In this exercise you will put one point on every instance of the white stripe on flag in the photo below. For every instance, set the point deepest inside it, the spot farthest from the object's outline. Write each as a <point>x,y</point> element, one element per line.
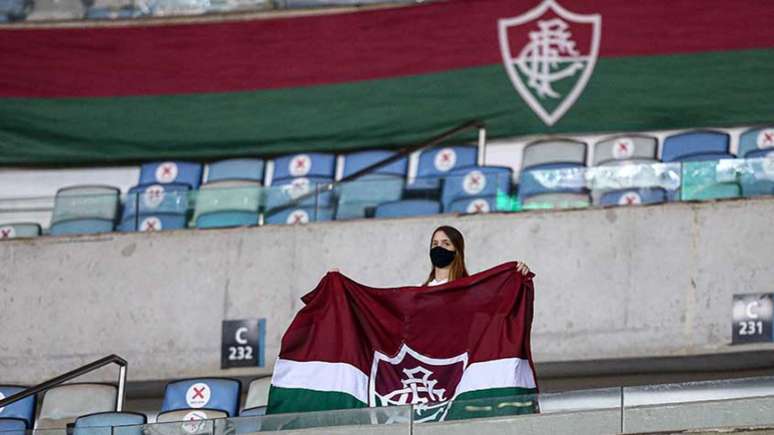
<point>321,376</point>
<point>498,373</point>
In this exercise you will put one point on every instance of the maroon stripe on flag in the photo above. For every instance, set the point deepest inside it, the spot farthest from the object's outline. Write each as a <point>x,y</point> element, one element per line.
<point>325,49</point>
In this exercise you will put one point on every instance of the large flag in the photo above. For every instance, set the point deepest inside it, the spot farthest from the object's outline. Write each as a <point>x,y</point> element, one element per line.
<point>354,346</point>
<point>380,77</point>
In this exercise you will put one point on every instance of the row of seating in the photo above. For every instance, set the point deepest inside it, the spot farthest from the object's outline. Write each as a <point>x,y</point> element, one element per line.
<point>89,405</point>
<point>553,175</point>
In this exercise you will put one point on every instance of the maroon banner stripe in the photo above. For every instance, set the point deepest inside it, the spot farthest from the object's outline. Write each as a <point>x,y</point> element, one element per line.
<point>326,49</point>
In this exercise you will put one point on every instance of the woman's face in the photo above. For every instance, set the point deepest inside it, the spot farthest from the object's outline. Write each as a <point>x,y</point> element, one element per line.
<point>441,239</point>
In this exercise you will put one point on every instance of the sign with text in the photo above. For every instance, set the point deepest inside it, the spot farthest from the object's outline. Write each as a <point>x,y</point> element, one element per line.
<point>752,318</point>
<point>243,343</point>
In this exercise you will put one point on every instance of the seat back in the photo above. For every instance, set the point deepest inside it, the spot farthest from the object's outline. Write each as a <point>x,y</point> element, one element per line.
<point>236,169</point>
<point>154,222</point>
<point>484,204</point>
<point>283,192</point>
<point>228,196</point>
<point>695,145</point>
<point>81,226</point>
<point>320,165</point>
<point>633,197</point>
<point>257,394</point>
<point>756,139</point>
<point>407,208</point>
<point>554,151</point>
<point>63,404</point>
<point>190,414</point>
<point>151,199</point>
<point>13,426</point>
<point>625,148</point>
<point>171,172</point>
<point>355,162</point>
<point>475,182</point>
<point>437,162</point>
<point>86,202</point>
<point>19,230</point>
<point>23,410</point>
<point>103,423</point>
<point>212,393</point>
<point>367,191</point>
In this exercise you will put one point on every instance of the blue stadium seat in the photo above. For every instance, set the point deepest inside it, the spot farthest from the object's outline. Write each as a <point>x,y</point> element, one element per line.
<point>19,230</point>
<point>300,215</point>
<point>283,192</point>
<point>633,197</point>
<point>236,169</point>
<point>154,222</point>
<point>311,165</point>
<point>12,426</point>
<point>23,410</point>
<point>757,144</point>
<point>384,184</point>
<point>210,393</point>
<point>696,146</point>
<point>84,210</point>
<point>475,182</point>
<point>407,208</point>
<point>484,204</point>
<point>171,172</point>
<point>103,423</point>
<point>435,163</point>
<point>552,178</point>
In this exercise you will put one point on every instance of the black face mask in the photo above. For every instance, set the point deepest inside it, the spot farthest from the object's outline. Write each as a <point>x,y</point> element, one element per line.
<point>441,257</point>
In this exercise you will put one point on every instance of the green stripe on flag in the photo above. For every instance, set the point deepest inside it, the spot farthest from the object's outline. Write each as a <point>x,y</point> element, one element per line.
<point>285,400</point>
<point>494,402</point>
<point>624,94</point>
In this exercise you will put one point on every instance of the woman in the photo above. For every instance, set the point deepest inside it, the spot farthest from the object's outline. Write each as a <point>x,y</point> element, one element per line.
<point>447,254</point>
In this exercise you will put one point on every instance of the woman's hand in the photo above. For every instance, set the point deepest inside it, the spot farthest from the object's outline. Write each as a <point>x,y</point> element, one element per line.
<point>522,268</point>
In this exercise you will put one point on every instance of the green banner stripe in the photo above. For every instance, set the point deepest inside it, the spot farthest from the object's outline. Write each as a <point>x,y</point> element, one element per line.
<point>494,402</point>
<point>285,400</point>
<point>624,94</point>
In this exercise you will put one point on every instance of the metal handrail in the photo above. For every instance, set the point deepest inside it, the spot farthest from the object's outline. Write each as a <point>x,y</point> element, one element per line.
<point>111,359</point>
<point>403,152</point>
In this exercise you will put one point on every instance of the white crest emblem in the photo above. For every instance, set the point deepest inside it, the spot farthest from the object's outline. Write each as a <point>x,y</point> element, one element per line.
<point>474,182</point>
<point>7,233</point>
<point>550,56</point>
<point>623,148</point>
<point>198,395</point>
<point>300,165</point>
<point>298,217</point>
<point>766,138</point>
<point>153,196</point>
<point>445,159</point>
<point>150,223</point>
<point>630,198</point>
<point>478,206</point>
<point>166,172</point>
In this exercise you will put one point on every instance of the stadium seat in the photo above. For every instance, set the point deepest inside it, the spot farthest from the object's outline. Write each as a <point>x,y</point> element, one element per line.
<point>384,184</point>
<point>475,182</point>
<point>190,415</point>
<point>284,192</point>
<point>317,165</point>
<point>221,394</point>
<point>23,410</point>
<point>407,208</point>
<point>171,172</point>
<point>236,169</point>
<point>633,197</point>
<point>224,204</point>
<point>84,210</point>
<point>14,10</point>
<point>301,215</point>
<point>12,426</point>
<point>552,166</point>
<point>108,13</point>
<point>435,163</point>
<point>758,178</point>
<point>257,397</point>
<point>63,404</point>
<point>556,200</point>
<point>104,423</point>
<point>696,146</point>
<point>626,150</point>
<point>546,151</point>
<point>707,180</point>
<point>155,207</point>
<point>485,204</point>
<point>19,230</point>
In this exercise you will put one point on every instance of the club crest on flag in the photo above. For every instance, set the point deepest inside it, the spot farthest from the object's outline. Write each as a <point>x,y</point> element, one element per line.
<point>412,378</point>
<point>549,54</point>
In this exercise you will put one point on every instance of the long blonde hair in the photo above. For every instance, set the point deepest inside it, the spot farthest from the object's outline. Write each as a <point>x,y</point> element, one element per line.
<point>457,268</point>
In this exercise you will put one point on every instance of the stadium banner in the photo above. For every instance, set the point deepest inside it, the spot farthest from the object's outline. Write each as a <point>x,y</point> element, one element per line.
<point>379,77</point>
<point>353,346</point>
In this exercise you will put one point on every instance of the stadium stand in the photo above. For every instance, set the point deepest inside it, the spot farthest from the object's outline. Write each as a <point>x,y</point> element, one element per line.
<point>698,151</point>
<point>171,172</point>
<point>464,186</point>
<point>228,203</point>
<point>435,163</point>
<point>384,184</point>
<point>62,405</point>
<point>626,150</point>
<point>298,175</point>
<point>553,166</point>
<point>155,207</point>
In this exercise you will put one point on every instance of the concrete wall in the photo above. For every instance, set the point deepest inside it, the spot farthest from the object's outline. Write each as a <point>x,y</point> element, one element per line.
<point>616,283</point>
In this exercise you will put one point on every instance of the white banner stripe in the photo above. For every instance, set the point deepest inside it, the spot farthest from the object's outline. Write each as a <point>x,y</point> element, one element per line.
<point>321,376</point>
<point>499,373</point>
